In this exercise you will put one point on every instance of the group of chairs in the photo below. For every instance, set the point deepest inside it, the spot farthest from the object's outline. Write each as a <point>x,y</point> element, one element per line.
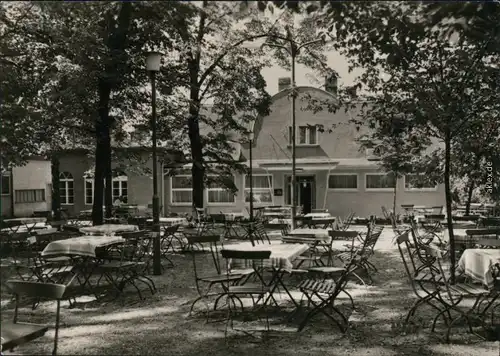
<point>244,273</point>
<point>427,268</point>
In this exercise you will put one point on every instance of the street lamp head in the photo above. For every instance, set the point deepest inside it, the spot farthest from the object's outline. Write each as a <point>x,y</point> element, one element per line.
<point>153,61</point>
<point>251,136</point>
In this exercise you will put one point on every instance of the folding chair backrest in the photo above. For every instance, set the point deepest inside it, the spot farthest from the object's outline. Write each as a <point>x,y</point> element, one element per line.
<point>170,230</point>
<point>483,232</point>
<point>36,289</point>
<point>404,248</point>
<point>260,232</point>
<point>492,243</point>
<point>438,275</point>
<point>39,290</point>
<point>213,241</point>
<point>246,255</point>
<point>437,209</point>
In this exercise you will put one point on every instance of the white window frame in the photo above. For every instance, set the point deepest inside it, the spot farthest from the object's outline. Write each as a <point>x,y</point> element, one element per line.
<point>378,189</point>
<point>85,180</point>
<point>66,181</point>
<point>207,190</point>
<point>120,179</point>
<point>344,189</point>
<point>433,189</point>
<point>297,136</point>
<point>271,189</point>
<point>172,190</point>
<point>8,175</point>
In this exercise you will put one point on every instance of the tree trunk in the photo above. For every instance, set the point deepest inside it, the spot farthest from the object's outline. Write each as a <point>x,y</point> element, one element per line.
<point>108,190</point>
<point>103,142</point>
<point>198,170</point>
<point>117,44</point>
<point>97,213</point>
<point>56,194</point>
<point>394,219</point>
<point>469,197</point>
<point>447,186</point>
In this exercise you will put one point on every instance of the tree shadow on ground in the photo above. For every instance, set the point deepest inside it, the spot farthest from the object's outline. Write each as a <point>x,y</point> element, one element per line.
<point>159,325</point>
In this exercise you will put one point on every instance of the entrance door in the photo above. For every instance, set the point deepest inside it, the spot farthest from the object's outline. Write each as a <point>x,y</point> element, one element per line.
<point>305,190</point>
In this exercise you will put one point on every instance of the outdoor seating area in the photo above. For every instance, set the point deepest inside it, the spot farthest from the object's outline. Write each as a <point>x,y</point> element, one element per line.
<point>282,178</point>
<point>250,280</point>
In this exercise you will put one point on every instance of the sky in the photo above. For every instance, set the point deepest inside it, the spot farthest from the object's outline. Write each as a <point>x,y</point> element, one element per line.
<point>302,74</point>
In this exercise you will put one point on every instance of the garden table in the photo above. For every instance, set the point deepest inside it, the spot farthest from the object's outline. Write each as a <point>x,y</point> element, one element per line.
<point>280,262</point>
<point>83,250</point>
<point>480,264</point>
<point>109,229</point>
<point>318,215</point>
<point>29,224</point>
<point>80,246</point>
<point>169,221</point>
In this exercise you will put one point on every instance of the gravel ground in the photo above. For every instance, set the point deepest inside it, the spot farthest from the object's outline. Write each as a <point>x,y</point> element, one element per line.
<point>160,325</point>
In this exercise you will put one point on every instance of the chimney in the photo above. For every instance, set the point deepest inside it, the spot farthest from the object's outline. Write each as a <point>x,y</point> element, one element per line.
<point>284,83</point>
<point>331,84</point>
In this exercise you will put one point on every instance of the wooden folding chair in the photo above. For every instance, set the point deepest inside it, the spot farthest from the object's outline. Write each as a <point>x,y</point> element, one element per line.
<point>170,235</point>
<point>216,275</point>
<point>452,296</point>
<point>236,291</point>
<point>16,333</point>
<point>365,246</point>
<point>419,278</point>
<point>327,286</point>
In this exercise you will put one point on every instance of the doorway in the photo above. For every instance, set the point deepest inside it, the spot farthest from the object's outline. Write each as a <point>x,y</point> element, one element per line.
<point>305,189</point>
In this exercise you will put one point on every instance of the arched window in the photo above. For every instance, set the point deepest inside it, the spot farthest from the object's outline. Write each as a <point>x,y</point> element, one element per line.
<point>120,186</point>
<point>66,188</point>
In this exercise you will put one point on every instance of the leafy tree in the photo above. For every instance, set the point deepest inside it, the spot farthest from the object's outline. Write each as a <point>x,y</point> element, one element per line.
<point>95,53</point>
<point>436,76</point>
<point>219,86</point>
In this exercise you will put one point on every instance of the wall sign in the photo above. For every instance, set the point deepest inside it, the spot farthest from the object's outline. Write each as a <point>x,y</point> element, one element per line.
<point>278,192</point>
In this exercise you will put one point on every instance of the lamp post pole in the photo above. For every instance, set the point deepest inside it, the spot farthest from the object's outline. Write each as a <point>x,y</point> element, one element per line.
<point>250,230</point>
<point>293,50</point>
<point>153,66</point>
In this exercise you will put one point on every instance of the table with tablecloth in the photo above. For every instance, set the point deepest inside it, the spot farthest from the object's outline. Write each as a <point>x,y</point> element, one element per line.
<point>170,221</point>
<point>83,252</point>
<point>24,224</point>
<point>319,234</point>
<point>318,215</point>
<point>280,262</point>
<point>480,264</point>
<point>109,229</point>
<point>80,246</point>
<point>282,255</point>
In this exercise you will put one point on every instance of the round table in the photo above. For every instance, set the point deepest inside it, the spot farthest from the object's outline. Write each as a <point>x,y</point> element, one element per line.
<point>108,229</point>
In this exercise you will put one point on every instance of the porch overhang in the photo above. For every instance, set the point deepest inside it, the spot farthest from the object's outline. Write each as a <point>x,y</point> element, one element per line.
<point>300,165</point>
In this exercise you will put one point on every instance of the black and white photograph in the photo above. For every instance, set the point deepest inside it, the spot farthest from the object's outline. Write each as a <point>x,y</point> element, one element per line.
<point>219,178</point>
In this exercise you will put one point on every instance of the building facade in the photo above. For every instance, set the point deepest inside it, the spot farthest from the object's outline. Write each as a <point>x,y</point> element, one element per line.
<point>332,172</point>
<point>26,189</point>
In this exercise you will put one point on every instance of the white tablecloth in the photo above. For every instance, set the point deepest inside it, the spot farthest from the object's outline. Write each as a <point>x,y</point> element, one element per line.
<point>108,229</point>
<point>282,255</point>
<point>318,215</point>
<point>169,221</point>
<point>480,264</point>
<point>318,234</point>
<point>80,246</point>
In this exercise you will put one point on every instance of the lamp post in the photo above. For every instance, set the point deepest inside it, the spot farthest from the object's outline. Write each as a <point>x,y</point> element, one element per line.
<point>250,229</point>
<point>153,61</point>
<point>293,50</point>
